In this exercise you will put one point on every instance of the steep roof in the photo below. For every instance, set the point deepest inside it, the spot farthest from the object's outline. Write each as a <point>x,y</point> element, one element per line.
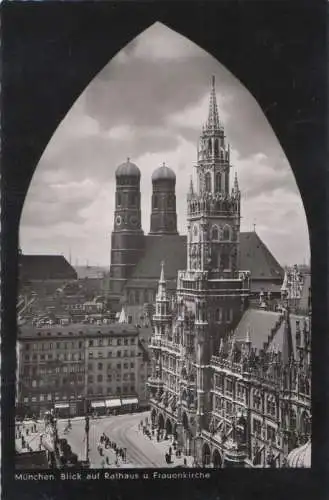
<point>169,248</point>
<point>260,323</point>
<point>254,256</point>
<point>46,267</point>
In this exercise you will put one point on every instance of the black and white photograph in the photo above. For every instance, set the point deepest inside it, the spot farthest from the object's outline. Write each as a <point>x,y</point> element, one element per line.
<point>164,295</point>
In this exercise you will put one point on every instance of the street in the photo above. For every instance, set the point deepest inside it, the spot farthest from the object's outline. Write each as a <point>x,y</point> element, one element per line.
<point>123,430</point>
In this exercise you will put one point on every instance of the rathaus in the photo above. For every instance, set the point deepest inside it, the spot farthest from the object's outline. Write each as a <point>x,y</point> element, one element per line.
<point>231,382</point>
<point>211,293</point>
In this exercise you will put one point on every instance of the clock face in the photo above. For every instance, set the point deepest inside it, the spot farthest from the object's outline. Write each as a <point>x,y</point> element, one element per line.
<point>118,220</point>
<point>133,220</point>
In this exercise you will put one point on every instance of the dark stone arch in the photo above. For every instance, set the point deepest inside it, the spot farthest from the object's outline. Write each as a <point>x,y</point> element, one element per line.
<point>217,459</point>
<point>255,31</point>
<point>185,421</point>
<point>169,427</point>
<point>153,416</point>
<point>160,421</point>
<point>206,455</point>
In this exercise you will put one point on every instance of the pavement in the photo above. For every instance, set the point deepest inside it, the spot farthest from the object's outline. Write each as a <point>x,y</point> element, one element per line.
<point>32,439</point>
<point>123,430</point>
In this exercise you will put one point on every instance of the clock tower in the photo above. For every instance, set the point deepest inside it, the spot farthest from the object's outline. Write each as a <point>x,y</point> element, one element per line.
<point>127,235</point>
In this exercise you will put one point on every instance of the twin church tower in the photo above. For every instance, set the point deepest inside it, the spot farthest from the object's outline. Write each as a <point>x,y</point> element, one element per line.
<point>211,204</point>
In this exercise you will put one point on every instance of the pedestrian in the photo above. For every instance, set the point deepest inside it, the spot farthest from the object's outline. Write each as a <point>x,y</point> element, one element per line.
<point>185,462</point>
<point>107,460</point>
<point>103,463</point>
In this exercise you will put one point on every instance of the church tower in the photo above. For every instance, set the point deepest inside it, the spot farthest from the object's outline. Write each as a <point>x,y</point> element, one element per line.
<point>214,211</point>
<point>127,234</point>
<point>211,288</point>
<point>163,215</point>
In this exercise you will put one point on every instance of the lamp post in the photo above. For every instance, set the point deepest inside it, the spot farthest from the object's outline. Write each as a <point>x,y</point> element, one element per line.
<point>87,437</point>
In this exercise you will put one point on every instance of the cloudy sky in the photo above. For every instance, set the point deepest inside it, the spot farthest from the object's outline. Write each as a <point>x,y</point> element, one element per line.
<point>149,104</point>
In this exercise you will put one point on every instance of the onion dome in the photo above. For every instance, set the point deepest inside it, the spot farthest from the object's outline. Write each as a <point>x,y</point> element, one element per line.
<point>163,173</point>
<point>300,457</point>
<point>127,169</point>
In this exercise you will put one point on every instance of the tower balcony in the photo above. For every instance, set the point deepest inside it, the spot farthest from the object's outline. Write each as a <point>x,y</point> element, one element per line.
<point>164,344</point>
<point>213,204</point>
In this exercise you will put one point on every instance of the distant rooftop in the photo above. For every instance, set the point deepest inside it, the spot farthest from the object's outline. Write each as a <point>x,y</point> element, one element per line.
<point>76,330</point>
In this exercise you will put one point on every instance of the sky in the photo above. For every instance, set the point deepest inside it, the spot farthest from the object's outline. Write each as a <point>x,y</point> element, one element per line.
<point>149,104</point>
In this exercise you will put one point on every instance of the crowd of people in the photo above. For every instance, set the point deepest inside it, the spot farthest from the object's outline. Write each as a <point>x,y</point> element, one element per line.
<point>104,444</point>
<point>152,432</point>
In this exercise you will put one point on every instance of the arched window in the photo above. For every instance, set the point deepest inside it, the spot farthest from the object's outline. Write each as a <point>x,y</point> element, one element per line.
<point>226,233</point>
<point>219,314</point>
<point>293,419</point>
<point>225,261</point>
<point>119,199</point>
<point>218,183</point>
<point>216,147</point>
<point>214,233</point>
<point>208,181</point>
<point>195,230</point>
<point>155,201</point>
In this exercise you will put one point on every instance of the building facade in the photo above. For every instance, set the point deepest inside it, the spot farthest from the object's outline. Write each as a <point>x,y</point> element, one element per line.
<point>76,367</point>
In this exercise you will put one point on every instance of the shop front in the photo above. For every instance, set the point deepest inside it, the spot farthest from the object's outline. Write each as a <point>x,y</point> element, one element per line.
<point>62,410</point>
<point>113,406</point>
<point>98,408</point>
<point>129,404</point>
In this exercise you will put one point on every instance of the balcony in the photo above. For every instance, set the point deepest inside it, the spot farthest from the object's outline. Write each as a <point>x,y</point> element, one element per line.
<point>157,343</point>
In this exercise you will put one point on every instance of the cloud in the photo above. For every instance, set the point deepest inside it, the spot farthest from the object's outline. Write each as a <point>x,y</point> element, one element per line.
<point>149,104</point>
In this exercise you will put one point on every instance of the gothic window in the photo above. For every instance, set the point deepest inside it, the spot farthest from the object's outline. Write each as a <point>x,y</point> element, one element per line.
<point>226,233</point>
<point>119,199</point>
<point>219,314</point>
<point>256,427</point>
<point>170,202</point>
<point>256,400</point>
<point>271,407</point>
<point>271,433</point>
<point>218,182</point>
<point>225,261</point>
<point>214,233</point>
<point>155,202</point>
<point>216,147</point>
<point>208,181</point>
<point>293,419</point>
<point>195,231</point>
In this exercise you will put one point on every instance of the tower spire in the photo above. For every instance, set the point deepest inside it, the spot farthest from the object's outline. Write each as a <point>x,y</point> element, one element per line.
<point>287,348</point>
<point>213,122</point>
<point>236,183</point>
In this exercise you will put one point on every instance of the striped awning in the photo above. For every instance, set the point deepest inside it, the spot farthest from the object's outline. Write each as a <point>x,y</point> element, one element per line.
<point>97,404</point>
<point>129,401</point>
<point>61,405</point>
<point>112,403</point>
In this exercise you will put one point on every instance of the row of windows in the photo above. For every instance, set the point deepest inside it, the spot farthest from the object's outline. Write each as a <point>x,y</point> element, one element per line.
<point>100,354</point>
<point>270,430</point>
<point>49,397</point>
<point>118,377</point>
<point>56,382</point>
<point>109,341</point>
<point>43,370</point>
<point>77,356</point>
<point>44,346</point>
<point>101,366</point>
<point>126,389</point>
